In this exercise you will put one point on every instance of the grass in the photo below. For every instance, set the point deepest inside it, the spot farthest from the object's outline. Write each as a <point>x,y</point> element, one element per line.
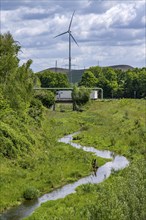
<point>119,126</point>
<point>49,164</point>
<point>116,125</point>
<point>121,197</point>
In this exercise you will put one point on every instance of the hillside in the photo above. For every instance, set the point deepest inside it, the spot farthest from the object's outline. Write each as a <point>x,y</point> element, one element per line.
<point>122,67</point>
<point>77,73</point>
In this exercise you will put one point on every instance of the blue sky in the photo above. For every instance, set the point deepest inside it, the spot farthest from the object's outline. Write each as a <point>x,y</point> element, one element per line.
<point>108,32</point>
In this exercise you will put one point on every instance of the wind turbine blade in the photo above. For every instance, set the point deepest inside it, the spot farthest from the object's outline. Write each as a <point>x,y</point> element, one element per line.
<point>71,21</point>
<point>61,34</point>
<point>74,39</point>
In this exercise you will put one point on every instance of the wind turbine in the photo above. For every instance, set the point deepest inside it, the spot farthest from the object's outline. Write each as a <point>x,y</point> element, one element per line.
<point>70,36</point>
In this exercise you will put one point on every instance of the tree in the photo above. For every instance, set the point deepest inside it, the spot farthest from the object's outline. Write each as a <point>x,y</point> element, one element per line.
<point>88,79</point>
<point>130,84</point>
<point>52,79</point>
<point>8,57</point>
<point>96,70</point>
<point>141,79</point>
<point>16,81</point>
<point>80,96</point>
<point>121,82</point>
<point>117,83</point>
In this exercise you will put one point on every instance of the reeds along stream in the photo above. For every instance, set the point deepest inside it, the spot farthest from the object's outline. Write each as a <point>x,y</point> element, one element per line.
<point>103,172</point>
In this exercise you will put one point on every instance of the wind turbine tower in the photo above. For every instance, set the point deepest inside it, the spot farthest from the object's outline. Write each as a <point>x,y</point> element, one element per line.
<point>70,36</point>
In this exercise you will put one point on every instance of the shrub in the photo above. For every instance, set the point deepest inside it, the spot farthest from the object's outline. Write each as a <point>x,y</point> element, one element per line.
<point>80,96</point>
<point>76,174</point>
<point>46,97</point>
<point>113,141</point>
<point>31,193</point>
<point>36,109</point>
<point>87,188</point>
<point>14,142</point>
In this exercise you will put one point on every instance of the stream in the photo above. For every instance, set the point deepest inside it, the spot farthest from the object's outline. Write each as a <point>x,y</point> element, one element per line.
<point>102,173</point>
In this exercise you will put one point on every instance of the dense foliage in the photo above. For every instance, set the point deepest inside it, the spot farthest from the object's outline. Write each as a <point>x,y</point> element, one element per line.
<point>16,92</point>
<point>46,97</point>
<point>18,100</point>
<point>116,83</point>
<point>16,81</point>
<point>80,96</point>
<point>50,79</point>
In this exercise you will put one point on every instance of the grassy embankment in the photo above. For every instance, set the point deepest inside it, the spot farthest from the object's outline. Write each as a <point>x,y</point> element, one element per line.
<point>120,126</point>
<point>34,160</point>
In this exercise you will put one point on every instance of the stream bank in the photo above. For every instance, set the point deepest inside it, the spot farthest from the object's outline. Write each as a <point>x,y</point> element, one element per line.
<point>103,172</point>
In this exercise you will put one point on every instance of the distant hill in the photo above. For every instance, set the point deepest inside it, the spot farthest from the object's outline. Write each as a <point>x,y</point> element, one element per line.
<point>77,73</point>
<point>122,67</point>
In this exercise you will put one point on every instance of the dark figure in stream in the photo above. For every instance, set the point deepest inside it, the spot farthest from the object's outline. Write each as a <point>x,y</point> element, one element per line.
<point>94,166</point>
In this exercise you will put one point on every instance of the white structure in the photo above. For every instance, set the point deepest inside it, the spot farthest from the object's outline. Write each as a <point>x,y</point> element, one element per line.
<point>67,95</point>
<point>64,95</point>
<point>94,95</point>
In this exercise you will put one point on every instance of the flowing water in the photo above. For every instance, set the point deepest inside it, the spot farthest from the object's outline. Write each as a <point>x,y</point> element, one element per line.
<point>103,172</point>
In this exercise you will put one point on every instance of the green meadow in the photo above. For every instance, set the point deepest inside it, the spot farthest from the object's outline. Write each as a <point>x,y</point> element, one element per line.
<point>115,125</point>
<point>119,126</point>
<point>48,164</point>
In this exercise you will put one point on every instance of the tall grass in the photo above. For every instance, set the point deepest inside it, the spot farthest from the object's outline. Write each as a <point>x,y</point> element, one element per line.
<point>118,125</point>
<point>46,164</point>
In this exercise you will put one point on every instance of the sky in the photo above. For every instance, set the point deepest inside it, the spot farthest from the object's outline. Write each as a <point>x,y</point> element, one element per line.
<point>107,32</point>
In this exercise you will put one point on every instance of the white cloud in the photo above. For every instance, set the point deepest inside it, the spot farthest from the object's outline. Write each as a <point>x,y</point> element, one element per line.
<point>143,20</point>
<point>105,31</point>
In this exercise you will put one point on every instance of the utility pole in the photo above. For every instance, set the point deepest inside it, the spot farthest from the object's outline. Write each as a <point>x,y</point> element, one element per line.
<point>69,74</point>
<point>145,112</point>
<point>56,66</point>
<point>134,94</point>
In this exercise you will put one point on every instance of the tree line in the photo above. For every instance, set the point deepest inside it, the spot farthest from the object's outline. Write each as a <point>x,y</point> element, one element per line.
<point>115,82</point>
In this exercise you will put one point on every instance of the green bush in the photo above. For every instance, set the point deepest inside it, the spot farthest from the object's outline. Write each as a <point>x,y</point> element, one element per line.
<point>36,109</point>
<point>13,142</point>
<point>86,188</point>
<point>46,97</point>
<point>80,96</point>
<point>31,193</point>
